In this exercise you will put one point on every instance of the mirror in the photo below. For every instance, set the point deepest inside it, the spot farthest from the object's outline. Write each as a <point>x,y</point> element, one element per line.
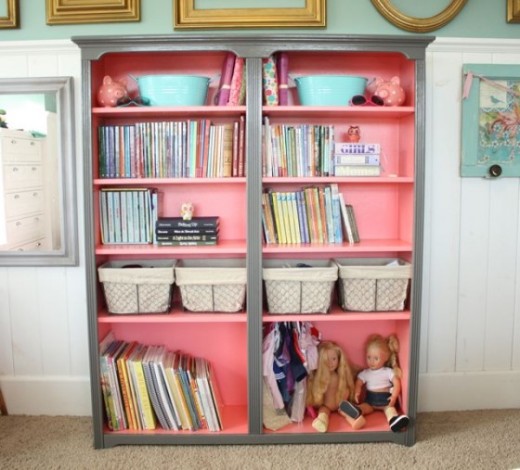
<point>37,172</point>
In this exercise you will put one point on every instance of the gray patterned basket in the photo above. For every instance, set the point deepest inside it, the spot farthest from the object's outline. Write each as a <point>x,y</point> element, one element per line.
<point>137,286</point>
<point>373,284</point>
<point>212,285</point>
<point>293,289</point>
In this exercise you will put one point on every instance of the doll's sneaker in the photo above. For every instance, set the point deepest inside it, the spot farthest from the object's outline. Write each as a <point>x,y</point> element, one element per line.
<point>399,423</point>
<point>349,409</point>
<point>321,423</point>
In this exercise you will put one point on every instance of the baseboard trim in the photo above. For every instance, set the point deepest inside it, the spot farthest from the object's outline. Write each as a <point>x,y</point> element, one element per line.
<point>70,396</point>
<point>469,391</point>
<point>47,395</point>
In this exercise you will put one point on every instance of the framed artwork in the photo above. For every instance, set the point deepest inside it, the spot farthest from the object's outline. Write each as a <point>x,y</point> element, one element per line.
<point>419,25</point>
<point>513,11</point>
<point>491,120</point>
<point>291,13</point>
<point>9,14</point>
<point>92,11</point>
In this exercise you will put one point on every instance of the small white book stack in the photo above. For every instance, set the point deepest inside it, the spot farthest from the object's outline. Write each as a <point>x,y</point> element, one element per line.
<point>357,159</point>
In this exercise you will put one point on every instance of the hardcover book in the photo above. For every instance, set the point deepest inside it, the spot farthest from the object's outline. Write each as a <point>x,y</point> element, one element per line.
<point>195,222</point>
<point>222,96</point>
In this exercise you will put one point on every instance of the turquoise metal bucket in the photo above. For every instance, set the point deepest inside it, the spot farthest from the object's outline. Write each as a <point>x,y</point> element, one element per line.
<point>173,90</point>
<point>329,90</point>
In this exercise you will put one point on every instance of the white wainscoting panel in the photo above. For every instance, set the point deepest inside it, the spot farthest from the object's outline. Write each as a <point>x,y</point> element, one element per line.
<point>470,331</point>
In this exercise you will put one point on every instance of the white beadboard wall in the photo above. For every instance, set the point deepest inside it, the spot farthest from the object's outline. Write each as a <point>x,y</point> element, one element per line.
<point>470,327</point>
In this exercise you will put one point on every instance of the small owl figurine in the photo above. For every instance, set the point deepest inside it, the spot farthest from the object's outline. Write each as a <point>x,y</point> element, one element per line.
<point>186,210</point>
<point>353,134</point>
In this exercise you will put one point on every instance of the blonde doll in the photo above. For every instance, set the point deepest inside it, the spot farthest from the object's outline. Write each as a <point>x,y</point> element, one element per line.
<point>382,380</point>
<point>330,384</point>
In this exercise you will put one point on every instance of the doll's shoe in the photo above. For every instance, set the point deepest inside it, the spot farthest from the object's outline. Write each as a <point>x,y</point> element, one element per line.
<point>349,409</point>
<point>398,423</point>
<point>321,423</point>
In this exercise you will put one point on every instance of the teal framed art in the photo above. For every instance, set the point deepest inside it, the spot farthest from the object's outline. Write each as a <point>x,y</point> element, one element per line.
<point>491,120</point>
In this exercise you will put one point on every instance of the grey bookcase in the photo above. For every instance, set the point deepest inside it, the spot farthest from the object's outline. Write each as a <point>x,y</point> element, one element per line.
<point>397,196</point>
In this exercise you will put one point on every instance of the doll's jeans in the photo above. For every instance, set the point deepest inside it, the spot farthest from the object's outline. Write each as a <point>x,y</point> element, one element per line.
<point>377,398</point>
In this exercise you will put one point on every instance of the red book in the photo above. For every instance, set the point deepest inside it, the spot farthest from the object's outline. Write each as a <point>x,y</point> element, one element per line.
<point>222,96</point>
<point>283,78</point>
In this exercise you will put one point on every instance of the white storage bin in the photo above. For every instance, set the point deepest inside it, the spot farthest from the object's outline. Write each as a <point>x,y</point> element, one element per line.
<point>212,285</point>
<point>293,288</point>
<point>373,284</point>
<point>138,286</point>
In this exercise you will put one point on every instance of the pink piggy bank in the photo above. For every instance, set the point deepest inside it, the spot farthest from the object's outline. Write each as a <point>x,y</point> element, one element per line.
<point>111,92</point>
<point>390,91</point>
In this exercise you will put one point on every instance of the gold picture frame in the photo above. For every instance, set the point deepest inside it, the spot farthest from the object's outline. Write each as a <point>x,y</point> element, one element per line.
<point>419,25</point>
<point>92,11</point>
<point>11,20</point>
<point>186,16</point>
<point>513,11</point>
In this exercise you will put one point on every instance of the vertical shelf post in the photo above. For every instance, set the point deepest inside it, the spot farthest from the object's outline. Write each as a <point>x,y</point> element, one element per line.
<point>254,241</point>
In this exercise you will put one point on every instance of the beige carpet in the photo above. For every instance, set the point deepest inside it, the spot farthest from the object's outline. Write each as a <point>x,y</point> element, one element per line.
<point>463,440</point>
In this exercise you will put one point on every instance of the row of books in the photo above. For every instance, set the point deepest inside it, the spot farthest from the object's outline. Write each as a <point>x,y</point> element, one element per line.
<point>172,149</point>
<point>275,75</point>
<point>128,215</point>
<point>315,214</point>
<point>297,150</point>
<point>146,385</point>
<point>175,231</point>
<point>357,159</point>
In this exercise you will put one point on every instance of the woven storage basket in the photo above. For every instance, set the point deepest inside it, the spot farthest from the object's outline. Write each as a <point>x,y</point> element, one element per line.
<point>136,286</point>
<point>212,285</point>
<point>373,284</point>
<point>293,289</point>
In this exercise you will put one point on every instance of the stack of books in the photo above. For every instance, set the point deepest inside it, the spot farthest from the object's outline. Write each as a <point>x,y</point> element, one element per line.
<point>175,231</point>
<point>357,159</point>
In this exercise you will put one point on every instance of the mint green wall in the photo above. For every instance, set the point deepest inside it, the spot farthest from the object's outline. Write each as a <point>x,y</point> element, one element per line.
<point>479,18</point>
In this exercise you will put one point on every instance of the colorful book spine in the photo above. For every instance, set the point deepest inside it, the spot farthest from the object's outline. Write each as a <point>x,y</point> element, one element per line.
<point>236,82</point>
<point>270,82</point>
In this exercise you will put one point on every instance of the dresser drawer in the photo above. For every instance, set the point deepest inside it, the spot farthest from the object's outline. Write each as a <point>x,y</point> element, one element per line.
<point>23,202</point>
<point>25,229</point>
<point>36,245</point>
<point>22,176</point>
<point>17,149</point>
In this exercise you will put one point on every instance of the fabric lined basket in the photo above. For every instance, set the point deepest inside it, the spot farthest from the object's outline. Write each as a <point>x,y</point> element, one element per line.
<point>138,286</point>
<point>373,284</point>
<point>212,285</point>
<point>295,287</point>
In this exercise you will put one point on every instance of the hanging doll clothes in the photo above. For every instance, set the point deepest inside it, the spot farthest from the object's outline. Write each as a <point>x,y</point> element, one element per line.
<point>289,354</point>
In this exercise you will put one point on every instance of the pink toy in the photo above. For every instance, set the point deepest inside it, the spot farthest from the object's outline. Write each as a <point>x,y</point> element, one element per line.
<point>111,93</point>
<point>390,91</point>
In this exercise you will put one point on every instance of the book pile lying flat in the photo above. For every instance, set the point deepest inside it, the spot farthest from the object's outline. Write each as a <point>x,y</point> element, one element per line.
<point>357,159</point>
<point>175,231</point>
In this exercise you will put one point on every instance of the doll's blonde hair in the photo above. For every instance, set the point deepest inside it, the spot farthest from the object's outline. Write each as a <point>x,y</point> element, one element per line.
<point>319,380</point>
<point>390,345</point>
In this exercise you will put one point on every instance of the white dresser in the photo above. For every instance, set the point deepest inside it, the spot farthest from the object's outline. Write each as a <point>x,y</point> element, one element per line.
<point>23,215</point>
